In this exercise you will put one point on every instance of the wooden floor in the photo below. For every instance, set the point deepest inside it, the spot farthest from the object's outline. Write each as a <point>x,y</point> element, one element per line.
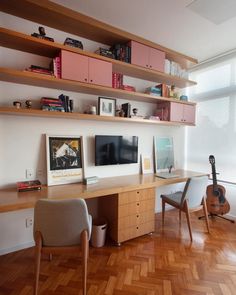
<point>164,263</point>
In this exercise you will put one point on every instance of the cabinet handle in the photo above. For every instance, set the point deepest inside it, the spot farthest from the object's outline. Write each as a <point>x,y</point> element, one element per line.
<point>137,204</point>
<point>137,227</point>
<point>91,80</point>
<point>85,79</point>
<point>137,216</point>
<point>150,66</point>
<point>147,66</point>
<point>137,192</point>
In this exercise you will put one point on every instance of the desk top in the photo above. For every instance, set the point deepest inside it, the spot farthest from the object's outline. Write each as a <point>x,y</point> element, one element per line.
<point>11,200</point>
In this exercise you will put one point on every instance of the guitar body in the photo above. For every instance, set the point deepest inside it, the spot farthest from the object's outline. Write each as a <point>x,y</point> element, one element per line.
<point>216,202</point>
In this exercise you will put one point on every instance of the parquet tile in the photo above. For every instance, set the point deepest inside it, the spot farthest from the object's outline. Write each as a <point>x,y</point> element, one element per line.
<point>165,263</point>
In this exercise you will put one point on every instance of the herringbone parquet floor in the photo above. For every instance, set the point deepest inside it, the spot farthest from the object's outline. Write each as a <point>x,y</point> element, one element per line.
<point>165,263</point>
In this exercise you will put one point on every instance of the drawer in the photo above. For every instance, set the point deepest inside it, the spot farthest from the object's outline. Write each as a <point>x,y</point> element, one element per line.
<point>137,195</point>
<point>136,231</point>
<point>136,219</point>
<point>136,207</point>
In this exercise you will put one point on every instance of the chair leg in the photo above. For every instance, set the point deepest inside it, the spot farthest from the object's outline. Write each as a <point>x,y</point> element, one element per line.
<point>188,220</point>
<point>205,213</point>
<point>38,248</point>
<point>163,211</point>
<point>85,250</point>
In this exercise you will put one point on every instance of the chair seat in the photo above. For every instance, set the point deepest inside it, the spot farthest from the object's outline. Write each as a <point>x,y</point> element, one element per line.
<point>175,197</point>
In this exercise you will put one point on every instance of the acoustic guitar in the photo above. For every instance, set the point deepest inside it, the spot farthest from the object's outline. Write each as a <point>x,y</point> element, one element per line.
<point>216,201</point>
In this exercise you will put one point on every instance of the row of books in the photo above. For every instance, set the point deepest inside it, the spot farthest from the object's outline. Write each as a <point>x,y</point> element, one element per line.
<point>40,70</point>
<point>174,69</point>
<point>122,52</point>
<point>117,80</point>
<point>61,104</point>
<point>55,66</point>
<point>158,90</point>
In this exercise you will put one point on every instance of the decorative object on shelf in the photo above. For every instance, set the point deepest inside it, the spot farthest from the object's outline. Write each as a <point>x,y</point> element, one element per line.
<point>147,164</point>
<point>184,97</point>
<point>73,43</point>
<point>28,104</point>
<point>173,93</point>
<point>106,106</point>
<point>135,111</point>
<point>64,159</point>
<point>105,52</point>
<point>71,105</point>
<point>126,107</point>
<point>42,35</point>
<point>31,185</point>
<point>17,104</point>
<point>93,110</point>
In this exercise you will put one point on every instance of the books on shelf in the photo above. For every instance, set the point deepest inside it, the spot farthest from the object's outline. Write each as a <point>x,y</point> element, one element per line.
<point>128,88</point>
<point>126,107</point>
<point>52,104</point>
<point>105,52</point>
<point>117,80</point>
<point>39,70</point>
<point>55,66</point>
<point>122,52</point>
<point>23,186</point>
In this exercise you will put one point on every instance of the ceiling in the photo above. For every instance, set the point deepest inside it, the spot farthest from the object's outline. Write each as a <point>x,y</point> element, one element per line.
<point>168,22</point>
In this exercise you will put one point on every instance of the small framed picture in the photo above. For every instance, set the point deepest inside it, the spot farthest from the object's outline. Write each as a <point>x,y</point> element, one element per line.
<point>64,159</point>
<point>106,106</point>
<point>147,164</point>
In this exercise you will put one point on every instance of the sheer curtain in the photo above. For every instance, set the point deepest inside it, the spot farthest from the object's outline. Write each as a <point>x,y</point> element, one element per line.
<point>215,133</point>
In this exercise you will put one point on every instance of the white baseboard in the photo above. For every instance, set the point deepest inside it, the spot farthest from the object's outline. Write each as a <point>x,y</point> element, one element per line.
<point>16,248</point>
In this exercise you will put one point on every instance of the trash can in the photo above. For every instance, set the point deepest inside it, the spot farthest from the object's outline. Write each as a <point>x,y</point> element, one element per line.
<point>99,229</point>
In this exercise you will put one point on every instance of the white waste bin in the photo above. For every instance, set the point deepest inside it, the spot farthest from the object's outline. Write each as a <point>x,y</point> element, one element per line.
<point>99,229</point>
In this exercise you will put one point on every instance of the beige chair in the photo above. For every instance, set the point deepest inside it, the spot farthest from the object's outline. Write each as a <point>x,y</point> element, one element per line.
<point>190,200</point>
<point>59,227</point>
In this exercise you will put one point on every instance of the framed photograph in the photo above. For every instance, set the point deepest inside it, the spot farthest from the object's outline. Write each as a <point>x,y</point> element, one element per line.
<point>106,106</point>
<point>147,164</point>
<point>64,159</point>
<point>164,153</point>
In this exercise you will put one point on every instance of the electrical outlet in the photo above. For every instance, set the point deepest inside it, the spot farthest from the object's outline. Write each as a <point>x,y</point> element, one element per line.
<point>29,222</point>
<point>29,173</point>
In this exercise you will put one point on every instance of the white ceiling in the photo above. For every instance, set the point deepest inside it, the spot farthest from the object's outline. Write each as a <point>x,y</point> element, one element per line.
<point>166,22</point>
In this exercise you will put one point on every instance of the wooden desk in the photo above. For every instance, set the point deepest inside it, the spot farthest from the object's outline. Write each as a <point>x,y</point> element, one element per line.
<point>128,202</point>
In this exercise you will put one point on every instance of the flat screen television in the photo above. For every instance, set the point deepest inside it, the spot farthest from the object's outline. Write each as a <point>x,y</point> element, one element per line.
<point>113,149</point>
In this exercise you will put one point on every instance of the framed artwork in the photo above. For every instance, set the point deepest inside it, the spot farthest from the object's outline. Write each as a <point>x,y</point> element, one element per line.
<point>64,159</point>
<point>147,164</point>
<point>106,106</point>
<point>164,153</point>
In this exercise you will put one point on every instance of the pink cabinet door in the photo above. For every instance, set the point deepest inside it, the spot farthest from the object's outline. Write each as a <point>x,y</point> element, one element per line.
<point>100,72</point>
<point>139,54</point>
<point>156,59</point>
<point>176,112</point>
<point>74,66</point>
<point>189,114</point>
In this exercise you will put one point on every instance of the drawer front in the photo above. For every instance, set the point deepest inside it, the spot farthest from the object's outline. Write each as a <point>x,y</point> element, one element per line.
<point>135,196</point>
<point>136,207</point>
<point>136,219</point>
<point>133,232</point>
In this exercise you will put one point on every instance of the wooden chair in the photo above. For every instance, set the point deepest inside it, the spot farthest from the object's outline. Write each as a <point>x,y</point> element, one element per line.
<point>190,200</point>
<point>59,227</point>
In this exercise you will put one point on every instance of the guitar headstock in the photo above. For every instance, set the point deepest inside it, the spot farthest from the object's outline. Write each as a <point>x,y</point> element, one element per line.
<point>212,159</point>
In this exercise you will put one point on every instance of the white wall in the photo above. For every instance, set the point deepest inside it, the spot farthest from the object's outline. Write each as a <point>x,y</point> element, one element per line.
<point>22,143</point>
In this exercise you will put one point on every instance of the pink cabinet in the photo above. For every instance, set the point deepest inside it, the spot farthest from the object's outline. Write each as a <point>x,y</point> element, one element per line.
<point>182,113</point>
<point>82,68</point>
<point>147,57</point>
<point>176,112</point>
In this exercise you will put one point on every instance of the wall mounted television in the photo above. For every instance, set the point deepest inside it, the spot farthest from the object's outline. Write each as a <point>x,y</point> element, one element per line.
<point>113,149</point>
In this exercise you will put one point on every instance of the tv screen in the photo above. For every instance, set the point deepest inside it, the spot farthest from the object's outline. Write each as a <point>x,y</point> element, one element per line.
<point>113,149</point>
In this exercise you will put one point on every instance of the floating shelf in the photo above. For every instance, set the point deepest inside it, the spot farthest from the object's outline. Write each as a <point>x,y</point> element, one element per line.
<point>41,80</point>
<point>26,43</point>
<point>78,116</point>
<point>67,20</point>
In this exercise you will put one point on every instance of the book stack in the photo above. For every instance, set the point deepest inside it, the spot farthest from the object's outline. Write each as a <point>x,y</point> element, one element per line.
<point>52,104</point>
<point>55,66</point>
<point>122,52</point>
<point>28,185</point>
<point>39,70</point>
<point>67,103</point>
<point>105,52</point>
<point>117,80</point>
<point>128,88</point>
<point>164,90</point>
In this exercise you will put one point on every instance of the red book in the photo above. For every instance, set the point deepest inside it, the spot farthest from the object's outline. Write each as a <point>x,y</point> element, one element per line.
<point>28,185</point>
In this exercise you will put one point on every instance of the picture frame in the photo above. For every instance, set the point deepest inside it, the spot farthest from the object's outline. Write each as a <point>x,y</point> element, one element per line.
<point>147,163</point>
<point>64,159</point>
<point>163,153</point>
<point>106,106</point>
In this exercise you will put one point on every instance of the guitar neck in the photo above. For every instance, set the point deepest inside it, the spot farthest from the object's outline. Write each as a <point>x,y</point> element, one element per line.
<point>214,177</point>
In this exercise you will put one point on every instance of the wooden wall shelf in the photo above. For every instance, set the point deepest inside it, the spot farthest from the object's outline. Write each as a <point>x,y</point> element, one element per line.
<point>26,43</point>
<point>79,116</point>
<point>41,80</point>
<point>48,13</point>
